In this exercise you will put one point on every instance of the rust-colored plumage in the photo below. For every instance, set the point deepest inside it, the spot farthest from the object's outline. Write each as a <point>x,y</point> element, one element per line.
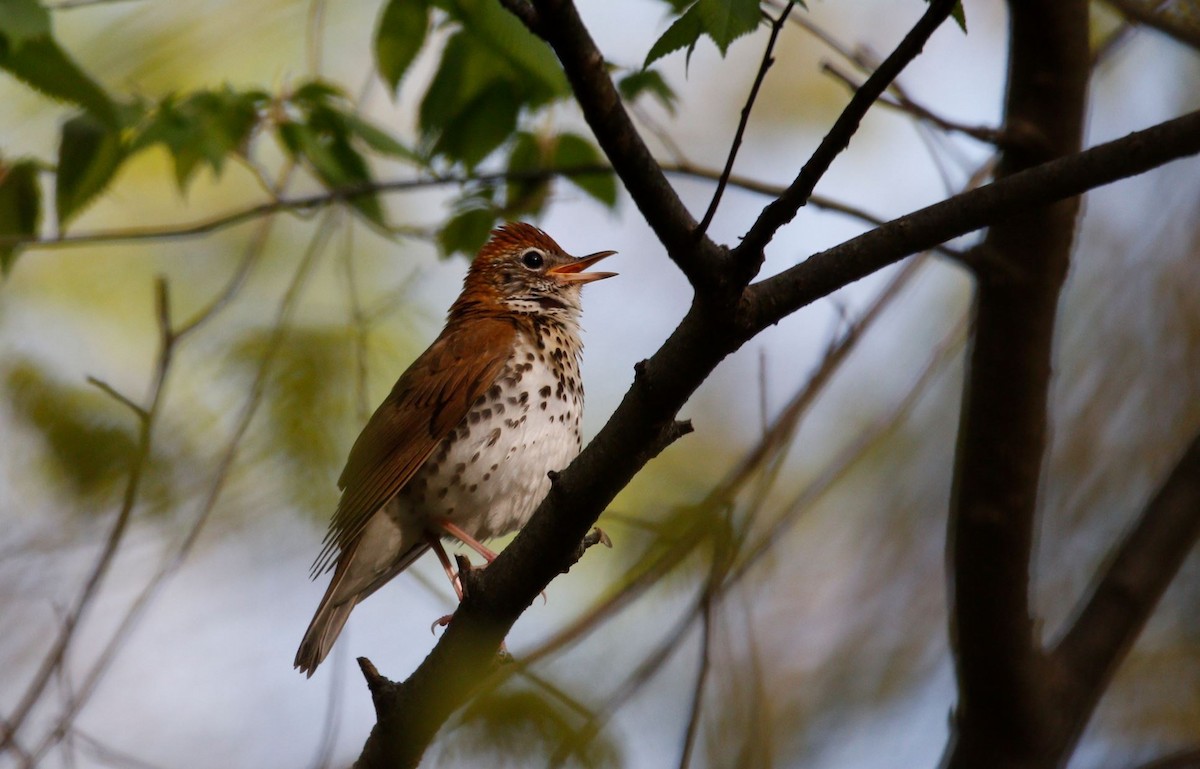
<point>463,442</point>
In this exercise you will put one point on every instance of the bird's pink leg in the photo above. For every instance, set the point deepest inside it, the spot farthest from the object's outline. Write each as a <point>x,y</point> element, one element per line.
<point>440,551</point>
<point>454,530</point>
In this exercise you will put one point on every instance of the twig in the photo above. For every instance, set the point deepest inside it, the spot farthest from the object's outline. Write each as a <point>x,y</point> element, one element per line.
<point>109,390</point>
<point>899,100</point>
<point>706,631</point>
<point>783,209</point>
<point>767,60</point>
<point>171,564</point>
<point>58,649</point>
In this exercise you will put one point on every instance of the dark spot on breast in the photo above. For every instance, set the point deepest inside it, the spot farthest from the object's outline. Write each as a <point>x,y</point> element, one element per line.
<point>458,469</point>
<point>486,476</point>
<point>493,437</point>
<point>528,356</point>
<point>545,391</point>
<point>442,492</point>
<point>472,487</point>
<point>494,392</point>
<point>475,457</point>
<point>543,405</point>
<point>473,417</point>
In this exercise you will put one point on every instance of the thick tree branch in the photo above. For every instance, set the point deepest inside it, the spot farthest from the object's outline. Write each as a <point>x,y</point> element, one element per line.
<point>1129,588</point>
<point>700,259</point>
<point>772,299</point>
<point>784,209</point>
<point>1006,714</point>
<point>1180,20</point>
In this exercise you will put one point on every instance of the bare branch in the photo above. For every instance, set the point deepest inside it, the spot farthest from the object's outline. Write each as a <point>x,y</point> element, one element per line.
<point>58,649</point>
<point>784,209</point>
<point>774,298</point>
<point>1130,586</point>
<point>1180,20</point>
<point>767,60</point>
<point>898,99</point>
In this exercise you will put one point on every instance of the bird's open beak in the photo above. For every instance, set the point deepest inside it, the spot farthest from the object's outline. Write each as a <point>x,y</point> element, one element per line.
<point>573,272</point>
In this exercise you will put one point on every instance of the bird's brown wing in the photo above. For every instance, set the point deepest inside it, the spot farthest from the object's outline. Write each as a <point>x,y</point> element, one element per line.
<point>428,401</point>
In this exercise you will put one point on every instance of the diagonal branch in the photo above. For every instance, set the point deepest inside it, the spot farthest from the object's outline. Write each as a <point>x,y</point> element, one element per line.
<point>699,258</point>
<point>774,298</point>
<point>1129,588</point>
<point>784,209</point>
<point>767,60</point>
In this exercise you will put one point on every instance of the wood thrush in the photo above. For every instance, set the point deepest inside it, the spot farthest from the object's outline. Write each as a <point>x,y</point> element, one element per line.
<point>463,444</point>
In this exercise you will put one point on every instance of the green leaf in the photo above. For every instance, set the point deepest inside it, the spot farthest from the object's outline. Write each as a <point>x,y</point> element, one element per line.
<point>20,207</point>
<point>526,195</point>
<point>89,154</point>
<point>683,33</point>
<point>21,21</point>
<point>335,163</point>
<point>726,20</point>
<point>647,81</point>
<point>493,118</point>
<point>315,93</point>
<point>378,139</point>
<point>311,374</point>
<point>573,151</point>
<point>205,126</point>
<point>960,16</point>
<point>466,232</point>
<point>45,67</point>
<point>503,37</point>
<point>89,440</point>
<point>399,37</point>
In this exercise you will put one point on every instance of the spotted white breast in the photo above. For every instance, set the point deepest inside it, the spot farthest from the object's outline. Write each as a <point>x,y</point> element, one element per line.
<point>489,474</point>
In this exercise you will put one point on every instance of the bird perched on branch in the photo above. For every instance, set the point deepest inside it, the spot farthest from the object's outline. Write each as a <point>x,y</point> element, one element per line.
<point>462,446</point>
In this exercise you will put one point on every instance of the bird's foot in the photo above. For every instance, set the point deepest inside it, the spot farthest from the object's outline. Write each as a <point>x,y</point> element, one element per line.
<point>442,621</point>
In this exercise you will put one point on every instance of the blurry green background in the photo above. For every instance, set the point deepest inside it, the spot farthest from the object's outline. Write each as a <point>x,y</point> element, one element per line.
<point>830,651</point>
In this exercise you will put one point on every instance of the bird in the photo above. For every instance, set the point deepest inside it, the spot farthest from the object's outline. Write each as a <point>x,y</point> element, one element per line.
<point>463,446</point>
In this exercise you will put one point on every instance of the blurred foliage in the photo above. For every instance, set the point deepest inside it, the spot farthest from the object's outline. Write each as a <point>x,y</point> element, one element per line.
<point>89,440</point>
<point>309,394</point>
<point>525,728</point>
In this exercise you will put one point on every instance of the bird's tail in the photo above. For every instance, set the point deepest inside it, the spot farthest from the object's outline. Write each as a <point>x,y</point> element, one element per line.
<point>382,552</point>
<point>325,627</point>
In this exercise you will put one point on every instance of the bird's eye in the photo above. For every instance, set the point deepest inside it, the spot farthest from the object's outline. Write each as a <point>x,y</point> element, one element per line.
<point>532,259</point>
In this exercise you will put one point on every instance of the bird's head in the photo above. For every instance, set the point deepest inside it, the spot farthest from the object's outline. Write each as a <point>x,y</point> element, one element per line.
<point>521,269</point>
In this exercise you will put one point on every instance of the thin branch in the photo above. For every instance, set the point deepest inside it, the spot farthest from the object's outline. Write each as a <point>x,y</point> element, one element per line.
<point>774,298</point>
<point>1178,19</point>
<point>159,580</point>
<point>109,390</point>
<point>767,60</point>
<point>705,663</point>
<point>899,100</point>
<point>56,654</point>
<point>784,209</point>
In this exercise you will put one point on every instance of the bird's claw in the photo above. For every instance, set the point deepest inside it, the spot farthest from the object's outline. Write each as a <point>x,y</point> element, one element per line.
<point>442,621</point>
